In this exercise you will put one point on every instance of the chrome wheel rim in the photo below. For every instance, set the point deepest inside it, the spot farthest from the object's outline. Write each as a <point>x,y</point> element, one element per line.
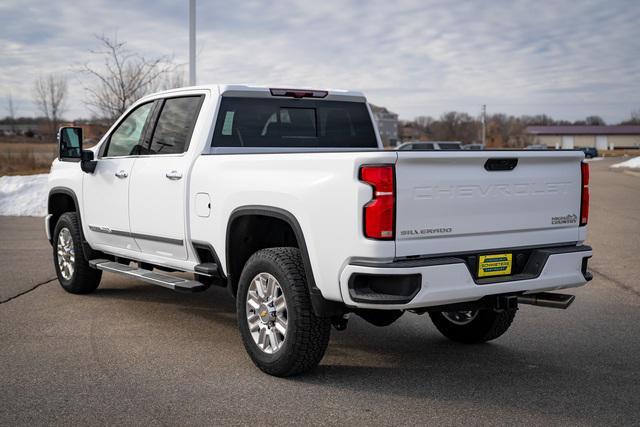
<point>460,317</point>
<point>66,257</point>
<point>267,313</point>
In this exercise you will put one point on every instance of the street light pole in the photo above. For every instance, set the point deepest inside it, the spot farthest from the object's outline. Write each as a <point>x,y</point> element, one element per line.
<point>192,42</point>
<point>484,124</point>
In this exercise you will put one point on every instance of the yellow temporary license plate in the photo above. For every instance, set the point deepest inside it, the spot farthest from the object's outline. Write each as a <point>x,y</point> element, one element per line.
<point>494,265</point>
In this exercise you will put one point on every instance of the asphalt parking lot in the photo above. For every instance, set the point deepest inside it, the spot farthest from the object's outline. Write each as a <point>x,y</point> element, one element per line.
<point>132,353</point>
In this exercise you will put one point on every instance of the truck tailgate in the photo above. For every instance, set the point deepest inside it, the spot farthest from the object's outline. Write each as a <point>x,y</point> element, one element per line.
<point>449,202</point>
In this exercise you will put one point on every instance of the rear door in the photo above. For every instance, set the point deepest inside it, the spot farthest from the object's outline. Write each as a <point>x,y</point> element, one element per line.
<point>450,202</point>
<point>157,195</point>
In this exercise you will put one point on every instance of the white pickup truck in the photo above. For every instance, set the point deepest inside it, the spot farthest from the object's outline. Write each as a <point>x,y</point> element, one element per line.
<point>286,197</point>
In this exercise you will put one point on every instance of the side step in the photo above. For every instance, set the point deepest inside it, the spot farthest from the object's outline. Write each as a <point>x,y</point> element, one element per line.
<point>547,299</point>
<point>207,269</point>
<point>160,279</point>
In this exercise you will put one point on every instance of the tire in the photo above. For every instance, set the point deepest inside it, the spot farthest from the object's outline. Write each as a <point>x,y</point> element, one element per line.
<point>80,278</point>
<point>486,325</point>
<point>303,345</point>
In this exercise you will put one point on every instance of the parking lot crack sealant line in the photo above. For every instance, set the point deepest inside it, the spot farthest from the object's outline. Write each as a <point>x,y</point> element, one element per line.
<point>28,290</point>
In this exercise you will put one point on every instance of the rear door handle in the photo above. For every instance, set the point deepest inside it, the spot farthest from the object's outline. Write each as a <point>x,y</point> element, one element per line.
<point>174,175</point>
<point>122,174</point>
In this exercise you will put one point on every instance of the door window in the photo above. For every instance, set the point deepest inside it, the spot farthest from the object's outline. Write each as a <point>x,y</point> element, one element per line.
<point>175,125</point>
<point>126,140</point>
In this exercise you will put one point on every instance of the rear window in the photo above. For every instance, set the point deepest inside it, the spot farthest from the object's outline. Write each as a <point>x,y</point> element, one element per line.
<point>256,122</point>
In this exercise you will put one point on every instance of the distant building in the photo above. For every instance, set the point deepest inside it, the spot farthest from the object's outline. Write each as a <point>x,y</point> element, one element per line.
<point>387,123</point>
<point>600,137</point>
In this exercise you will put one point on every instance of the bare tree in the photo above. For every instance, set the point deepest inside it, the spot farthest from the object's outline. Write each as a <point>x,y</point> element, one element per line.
<point>594,121</point>
<point>50,95</point>
<point>124,77</point>
<point>633,120</point>
<point>455,126</point>
<point>424,122</point>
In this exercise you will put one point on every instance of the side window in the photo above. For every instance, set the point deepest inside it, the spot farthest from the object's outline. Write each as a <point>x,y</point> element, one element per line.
<point>127,137</point>
<point>175,124</point>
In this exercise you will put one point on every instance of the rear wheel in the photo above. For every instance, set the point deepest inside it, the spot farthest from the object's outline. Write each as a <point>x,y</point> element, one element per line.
<point>278,327</point>
<point>472,326</point>
<point>72,268</point>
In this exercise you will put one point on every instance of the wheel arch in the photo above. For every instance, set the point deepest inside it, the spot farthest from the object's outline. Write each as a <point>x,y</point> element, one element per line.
<point>235,258</point>
<point>61,200</point>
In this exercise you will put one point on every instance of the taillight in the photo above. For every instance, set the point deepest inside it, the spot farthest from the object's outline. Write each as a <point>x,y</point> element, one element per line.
<point>584,204</point>
<point>380,211</point>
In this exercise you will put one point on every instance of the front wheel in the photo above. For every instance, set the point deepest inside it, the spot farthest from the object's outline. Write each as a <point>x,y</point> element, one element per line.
<point>72,268</point>
<point>473,326</point>
<point>278,327</point>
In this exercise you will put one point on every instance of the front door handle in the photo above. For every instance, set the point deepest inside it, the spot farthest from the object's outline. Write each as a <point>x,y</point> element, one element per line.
<point>174,175</point>
<point>122,174</point>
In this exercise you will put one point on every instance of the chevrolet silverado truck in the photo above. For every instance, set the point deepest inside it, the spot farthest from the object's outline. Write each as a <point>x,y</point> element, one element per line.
<point>287,198</point>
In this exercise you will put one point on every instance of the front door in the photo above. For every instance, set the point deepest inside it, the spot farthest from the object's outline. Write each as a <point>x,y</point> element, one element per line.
<point>157,195</point>
<point>105,192</point>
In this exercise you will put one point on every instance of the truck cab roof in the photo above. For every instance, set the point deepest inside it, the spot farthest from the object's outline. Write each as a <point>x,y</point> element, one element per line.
<point>261,91</point>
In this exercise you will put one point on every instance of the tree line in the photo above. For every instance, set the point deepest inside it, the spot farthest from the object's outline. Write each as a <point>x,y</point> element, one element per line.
<point>502,130</point>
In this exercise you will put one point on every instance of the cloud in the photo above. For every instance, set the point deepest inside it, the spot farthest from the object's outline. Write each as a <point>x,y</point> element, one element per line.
<point>416,58</point>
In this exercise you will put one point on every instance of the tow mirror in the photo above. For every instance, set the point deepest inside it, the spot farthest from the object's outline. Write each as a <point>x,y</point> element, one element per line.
<point>70,148</point>
<point>70,143</point>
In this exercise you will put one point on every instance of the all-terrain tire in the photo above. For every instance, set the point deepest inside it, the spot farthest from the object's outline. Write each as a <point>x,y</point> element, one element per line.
<point>486,326</point>
<point>307,335</point>
<point>83,279</point>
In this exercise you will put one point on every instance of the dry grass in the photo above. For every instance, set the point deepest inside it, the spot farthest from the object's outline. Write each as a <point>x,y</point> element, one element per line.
<point>26,158</point>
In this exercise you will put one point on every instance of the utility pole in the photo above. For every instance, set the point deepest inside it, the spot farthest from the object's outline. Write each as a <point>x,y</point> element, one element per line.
<point>484,124</point>
<point>192,42</point>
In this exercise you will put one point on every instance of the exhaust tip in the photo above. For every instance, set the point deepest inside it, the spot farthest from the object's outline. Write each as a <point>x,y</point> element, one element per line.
<point>547,299</point>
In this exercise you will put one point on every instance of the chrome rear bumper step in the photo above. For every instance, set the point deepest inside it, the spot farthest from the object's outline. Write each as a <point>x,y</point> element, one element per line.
<point>155,278</point>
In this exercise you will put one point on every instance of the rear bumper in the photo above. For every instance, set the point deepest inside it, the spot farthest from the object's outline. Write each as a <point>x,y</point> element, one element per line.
<point>438,281</point>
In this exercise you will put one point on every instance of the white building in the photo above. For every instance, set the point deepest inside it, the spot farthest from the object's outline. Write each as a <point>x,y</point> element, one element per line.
<point>600,137</point>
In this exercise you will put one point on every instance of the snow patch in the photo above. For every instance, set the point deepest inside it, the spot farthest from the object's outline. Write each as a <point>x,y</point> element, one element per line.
<point>633,163</point>
<point>23,195</point>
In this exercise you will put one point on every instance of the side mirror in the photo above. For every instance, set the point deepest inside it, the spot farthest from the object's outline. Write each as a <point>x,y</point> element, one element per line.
<point>70,148</point>
<point>87,164</point>
<point>70,143</point>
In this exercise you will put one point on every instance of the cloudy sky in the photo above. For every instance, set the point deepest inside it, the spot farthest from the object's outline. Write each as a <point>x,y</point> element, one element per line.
<point>566,59</point>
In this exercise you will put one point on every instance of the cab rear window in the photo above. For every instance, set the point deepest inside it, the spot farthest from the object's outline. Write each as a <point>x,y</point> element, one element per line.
<point>257,122</point>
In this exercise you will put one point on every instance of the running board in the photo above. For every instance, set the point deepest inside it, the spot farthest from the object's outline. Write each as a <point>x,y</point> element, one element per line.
<point>161,279</point>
